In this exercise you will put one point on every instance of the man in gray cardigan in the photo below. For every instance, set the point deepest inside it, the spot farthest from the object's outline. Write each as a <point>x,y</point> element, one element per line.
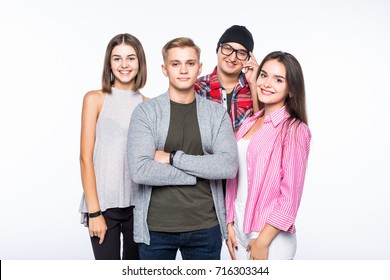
<point>180,146</point>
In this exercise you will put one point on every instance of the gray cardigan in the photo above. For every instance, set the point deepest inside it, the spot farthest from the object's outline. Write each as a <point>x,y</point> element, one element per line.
<point>147,133</point>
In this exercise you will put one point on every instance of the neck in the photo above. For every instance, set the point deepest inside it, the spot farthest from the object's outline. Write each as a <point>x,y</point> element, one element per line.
<point>227,81</point>
<point>270,109</point>
<point>182,97</point>
<point>123,86</point>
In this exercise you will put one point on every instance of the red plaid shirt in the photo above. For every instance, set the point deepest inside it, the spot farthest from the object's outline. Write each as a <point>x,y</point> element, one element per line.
<point>209,87</point>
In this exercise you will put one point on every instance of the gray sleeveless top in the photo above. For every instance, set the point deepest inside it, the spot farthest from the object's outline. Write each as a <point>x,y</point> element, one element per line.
<point>113,182</point>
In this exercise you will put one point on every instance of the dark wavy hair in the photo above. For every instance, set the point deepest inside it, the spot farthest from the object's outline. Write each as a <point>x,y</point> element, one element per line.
<point>296,100</point>
<point>132,41</point>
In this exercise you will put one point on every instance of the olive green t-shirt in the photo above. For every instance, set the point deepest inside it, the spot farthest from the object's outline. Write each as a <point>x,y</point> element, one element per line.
<point>185,207</point>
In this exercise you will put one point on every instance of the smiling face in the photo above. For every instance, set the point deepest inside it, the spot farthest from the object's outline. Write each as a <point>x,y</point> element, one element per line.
<point>124,66</point>
<point>230,65</point>
<point>272,87</point>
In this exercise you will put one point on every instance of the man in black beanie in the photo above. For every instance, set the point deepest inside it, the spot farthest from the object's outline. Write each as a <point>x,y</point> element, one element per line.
<point>233,81</point>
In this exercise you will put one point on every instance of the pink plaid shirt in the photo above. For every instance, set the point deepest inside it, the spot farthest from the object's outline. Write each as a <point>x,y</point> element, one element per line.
<point>276,164</point>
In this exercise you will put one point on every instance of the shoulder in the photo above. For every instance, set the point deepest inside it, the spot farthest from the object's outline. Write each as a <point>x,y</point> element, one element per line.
<point>150,106</point>
<point>202,81</point>
<point>139,93</point>
<point>203,78</point>
<point>144,97</point>
<point>94,99</point>
<point>301,128</point>
<point>212,108</point>
<point>299,132</point>
<point>94,96</point>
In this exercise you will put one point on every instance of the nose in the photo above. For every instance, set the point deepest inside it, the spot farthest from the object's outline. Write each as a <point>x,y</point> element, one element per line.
<point>267,82</point>
<point>125,64</point>
<point>261,81</point>
<point>233,55</point>
<point>183,69</point>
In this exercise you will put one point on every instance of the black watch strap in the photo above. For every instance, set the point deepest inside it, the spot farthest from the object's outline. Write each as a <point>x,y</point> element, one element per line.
<point>171,155</point>
<point>94,214</point>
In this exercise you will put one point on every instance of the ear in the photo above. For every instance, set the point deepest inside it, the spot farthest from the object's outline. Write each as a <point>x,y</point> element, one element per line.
<point>164,70</point>
<point>200,68</point>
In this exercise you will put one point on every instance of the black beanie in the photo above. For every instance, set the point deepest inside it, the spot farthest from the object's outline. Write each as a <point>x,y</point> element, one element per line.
<point>237,34</point>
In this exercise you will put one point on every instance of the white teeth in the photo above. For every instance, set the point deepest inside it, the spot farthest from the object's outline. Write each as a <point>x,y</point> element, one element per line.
<point>266,92</point>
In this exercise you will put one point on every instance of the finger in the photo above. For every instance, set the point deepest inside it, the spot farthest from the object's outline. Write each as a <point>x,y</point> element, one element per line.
<point>234,243</point>
<point>253,57</point>
<point>247,68</point>
<point>101,240</point>
<point>231,246</point>
<point>232,254</point>
<point>248,248</point>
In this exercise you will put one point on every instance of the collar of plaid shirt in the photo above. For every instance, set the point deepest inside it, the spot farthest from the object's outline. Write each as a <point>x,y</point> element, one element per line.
<point>215,93</point>
<point>210,87</point>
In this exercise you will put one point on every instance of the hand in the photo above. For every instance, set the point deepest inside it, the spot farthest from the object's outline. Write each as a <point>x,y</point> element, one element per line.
<point>97,227</point>
<point>258,249</point>
<point>250,69</point>
<point>161,156</point>
<point>231,241</point>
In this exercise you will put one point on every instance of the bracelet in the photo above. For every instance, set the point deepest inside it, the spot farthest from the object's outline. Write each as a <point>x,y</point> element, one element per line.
<point>95,214</point>
<point>171,155</point>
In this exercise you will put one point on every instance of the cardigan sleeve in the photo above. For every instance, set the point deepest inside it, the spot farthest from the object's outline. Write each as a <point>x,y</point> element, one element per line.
<point>231,195</point>
<point>141,150</point>
<point>294,160</point>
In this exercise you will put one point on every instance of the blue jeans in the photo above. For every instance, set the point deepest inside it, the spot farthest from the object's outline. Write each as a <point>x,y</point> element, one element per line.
<point>202,244</point>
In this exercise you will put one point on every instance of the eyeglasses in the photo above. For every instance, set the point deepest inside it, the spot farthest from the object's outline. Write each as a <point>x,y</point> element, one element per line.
<point>227,50</point>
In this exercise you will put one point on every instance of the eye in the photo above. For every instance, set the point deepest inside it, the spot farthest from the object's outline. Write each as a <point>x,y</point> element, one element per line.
<point>278,80</point>
<point>175,64</point>
<point>191,63</point>
<point>263,75</point>
<point>116,58</point>
<point>226,47</point>
<point>241,52</point>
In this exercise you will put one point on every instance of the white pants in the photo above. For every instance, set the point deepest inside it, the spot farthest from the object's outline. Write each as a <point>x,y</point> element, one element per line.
<point>283,247</point>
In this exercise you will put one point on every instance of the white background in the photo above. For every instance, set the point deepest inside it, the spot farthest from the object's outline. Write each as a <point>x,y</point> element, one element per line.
<point>51,54</point>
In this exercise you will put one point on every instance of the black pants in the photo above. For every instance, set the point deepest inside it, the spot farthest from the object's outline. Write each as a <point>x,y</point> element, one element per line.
<point>119,221</point>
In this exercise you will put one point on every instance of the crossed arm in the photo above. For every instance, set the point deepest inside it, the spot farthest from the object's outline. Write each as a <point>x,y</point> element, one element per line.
<point>150,166</point>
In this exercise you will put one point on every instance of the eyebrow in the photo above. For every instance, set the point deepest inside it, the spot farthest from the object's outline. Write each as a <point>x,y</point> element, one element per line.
<point>226,44</point>
<point>179,61</point>
<point>278,76</point>
<point>118,55</point>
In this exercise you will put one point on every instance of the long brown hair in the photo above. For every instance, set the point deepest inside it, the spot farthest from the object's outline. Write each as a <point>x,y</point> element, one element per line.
<point>132,41</point>
<point>296,100</point>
